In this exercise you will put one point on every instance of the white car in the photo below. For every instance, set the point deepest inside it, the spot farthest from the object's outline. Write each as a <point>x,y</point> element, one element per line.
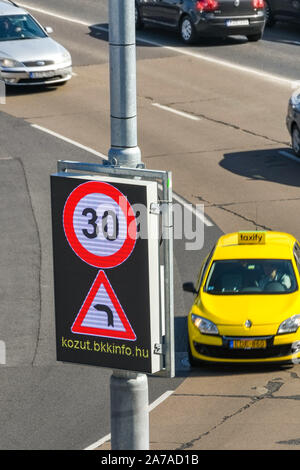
<point>28,56</point>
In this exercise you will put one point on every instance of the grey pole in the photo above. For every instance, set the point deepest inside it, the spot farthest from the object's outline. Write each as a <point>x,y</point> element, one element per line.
<point>122,59</point>
<point>128,390</point>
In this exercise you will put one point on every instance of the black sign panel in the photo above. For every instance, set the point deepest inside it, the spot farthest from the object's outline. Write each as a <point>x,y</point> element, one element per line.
<point>101,274</point>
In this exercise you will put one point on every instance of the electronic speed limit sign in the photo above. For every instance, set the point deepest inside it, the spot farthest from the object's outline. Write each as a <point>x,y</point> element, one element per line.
<point>106,272</point>
<point>100,224</point>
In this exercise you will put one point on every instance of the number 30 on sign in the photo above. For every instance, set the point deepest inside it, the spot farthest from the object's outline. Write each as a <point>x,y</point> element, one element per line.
<point>99,224</point>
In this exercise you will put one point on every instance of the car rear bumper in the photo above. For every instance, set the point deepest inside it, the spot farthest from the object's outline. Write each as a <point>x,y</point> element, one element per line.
<point>36,76</point>
<point>220,27</point>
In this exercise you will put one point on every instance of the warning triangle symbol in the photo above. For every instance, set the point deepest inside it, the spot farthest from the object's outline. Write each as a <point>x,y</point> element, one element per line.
<point>101,313</point>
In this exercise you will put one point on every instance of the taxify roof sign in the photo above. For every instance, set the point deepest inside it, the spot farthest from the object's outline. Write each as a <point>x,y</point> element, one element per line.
<point>251,238</point>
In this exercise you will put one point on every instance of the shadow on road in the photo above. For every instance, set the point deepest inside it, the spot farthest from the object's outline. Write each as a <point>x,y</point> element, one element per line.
<point>149,36</point>
<point>284,33</point>
<point>29,90</point>
<point>264,165</point>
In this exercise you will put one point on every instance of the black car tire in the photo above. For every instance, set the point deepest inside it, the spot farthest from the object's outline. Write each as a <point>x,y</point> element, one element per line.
<point>255,37</point>
<point>296,140</point>
<point>138,22</point>
<point>270,21</point>
<point>187,30</point>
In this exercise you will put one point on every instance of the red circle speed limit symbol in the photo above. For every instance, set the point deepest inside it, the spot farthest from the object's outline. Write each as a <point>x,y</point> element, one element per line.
<point>100,224</point>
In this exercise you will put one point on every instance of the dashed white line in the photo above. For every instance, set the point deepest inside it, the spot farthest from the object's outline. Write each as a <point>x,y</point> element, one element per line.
<point>176,111</point>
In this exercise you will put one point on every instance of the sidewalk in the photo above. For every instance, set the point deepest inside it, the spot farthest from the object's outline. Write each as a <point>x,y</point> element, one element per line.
<point>206,413</point>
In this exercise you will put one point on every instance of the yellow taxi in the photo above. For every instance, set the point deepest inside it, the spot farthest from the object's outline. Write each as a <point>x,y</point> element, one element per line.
<point>247,304</point>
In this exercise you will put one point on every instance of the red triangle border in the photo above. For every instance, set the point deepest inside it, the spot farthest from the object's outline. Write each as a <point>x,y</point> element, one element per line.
<point>77,327</point>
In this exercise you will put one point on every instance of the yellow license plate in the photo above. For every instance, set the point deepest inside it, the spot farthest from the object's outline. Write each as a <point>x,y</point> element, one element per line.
<point>248,344</point>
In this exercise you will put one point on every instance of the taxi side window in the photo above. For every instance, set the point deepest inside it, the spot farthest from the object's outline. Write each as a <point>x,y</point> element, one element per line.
<point>297,256</point>
<point>204,269</point>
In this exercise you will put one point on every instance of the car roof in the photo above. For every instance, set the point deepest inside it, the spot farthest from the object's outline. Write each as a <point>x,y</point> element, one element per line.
<point>277,245</point>
<point>8,8</point>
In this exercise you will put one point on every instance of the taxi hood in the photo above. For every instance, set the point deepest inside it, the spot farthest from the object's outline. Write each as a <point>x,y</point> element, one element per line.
<point>261,309</point>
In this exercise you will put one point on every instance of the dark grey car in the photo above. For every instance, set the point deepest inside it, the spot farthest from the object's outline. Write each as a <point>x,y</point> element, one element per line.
<point>282,10</point>
<point>194,18</point>
<point>293,121</point>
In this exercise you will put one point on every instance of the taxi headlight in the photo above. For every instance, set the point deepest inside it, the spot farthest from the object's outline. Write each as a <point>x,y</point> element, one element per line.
<point>290,325</point>
<point>205,326</point>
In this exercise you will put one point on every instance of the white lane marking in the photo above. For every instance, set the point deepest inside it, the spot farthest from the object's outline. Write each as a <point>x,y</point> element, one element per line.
<point>285,81</point>
<point>196,212</point>
<point>153,405</point>
<point>175,111</point>
<point>187,205</point>
<point>55,15</point>
<point>289,155</point>
<point>70,141</point>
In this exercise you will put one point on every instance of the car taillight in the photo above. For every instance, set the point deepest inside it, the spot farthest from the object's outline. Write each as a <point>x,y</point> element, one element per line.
<point>258,4</point>
<point>207,5</point>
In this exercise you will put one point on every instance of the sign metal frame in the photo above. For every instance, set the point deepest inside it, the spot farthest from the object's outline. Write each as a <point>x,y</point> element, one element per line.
<point>164,179</point>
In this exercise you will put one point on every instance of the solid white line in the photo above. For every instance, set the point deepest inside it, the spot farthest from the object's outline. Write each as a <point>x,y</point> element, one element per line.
<point>285,81</point>
<point>70,141</point>
<point>289,155</point>
<point>196,212</point>
<point>159,400</point>
<point>153,405</point>
<point>175,111</point>
<point>55,15</point>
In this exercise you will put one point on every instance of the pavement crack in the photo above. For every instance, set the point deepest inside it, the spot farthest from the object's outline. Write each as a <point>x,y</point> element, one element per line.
<point>291,442</point>
<point>271,387</point>
<point>230,211</point>
<point>190,444</point>
<point>39,260</point>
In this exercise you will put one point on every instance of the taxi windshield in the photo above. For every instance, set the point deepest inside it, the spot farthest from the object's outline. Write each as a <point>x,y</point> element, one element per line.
<point>250,276</point>
<point>17,27</point>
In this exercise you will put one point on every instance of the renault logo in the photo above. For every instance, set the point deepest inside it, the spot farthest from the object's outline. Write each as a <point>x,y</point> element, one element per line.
<point>236,3</point>
<point>248,324</point>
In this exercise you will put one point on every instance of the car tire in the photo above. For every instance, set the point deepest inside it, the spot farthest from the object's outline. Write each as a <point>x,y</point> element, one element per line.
<point>296,140</point>
<point>187,30</point>
<point>138,22</point>
<point>255,37</point>
<point>270,21</point>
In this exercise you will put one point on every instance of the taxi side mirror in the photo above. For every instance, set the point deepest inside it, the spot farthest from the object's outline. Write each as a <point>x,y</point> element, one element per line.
<point>189,287</point>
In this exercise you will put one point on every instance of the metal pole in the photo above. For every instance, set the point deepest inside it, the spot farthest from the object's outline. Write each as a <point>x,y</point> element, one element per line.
<point>122,59</point>
<point>128,390</point>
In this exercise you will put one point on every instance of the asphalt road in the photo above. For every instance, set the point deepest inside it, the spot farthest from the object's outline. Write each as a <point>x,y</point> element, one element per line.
<point>232,160</point>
